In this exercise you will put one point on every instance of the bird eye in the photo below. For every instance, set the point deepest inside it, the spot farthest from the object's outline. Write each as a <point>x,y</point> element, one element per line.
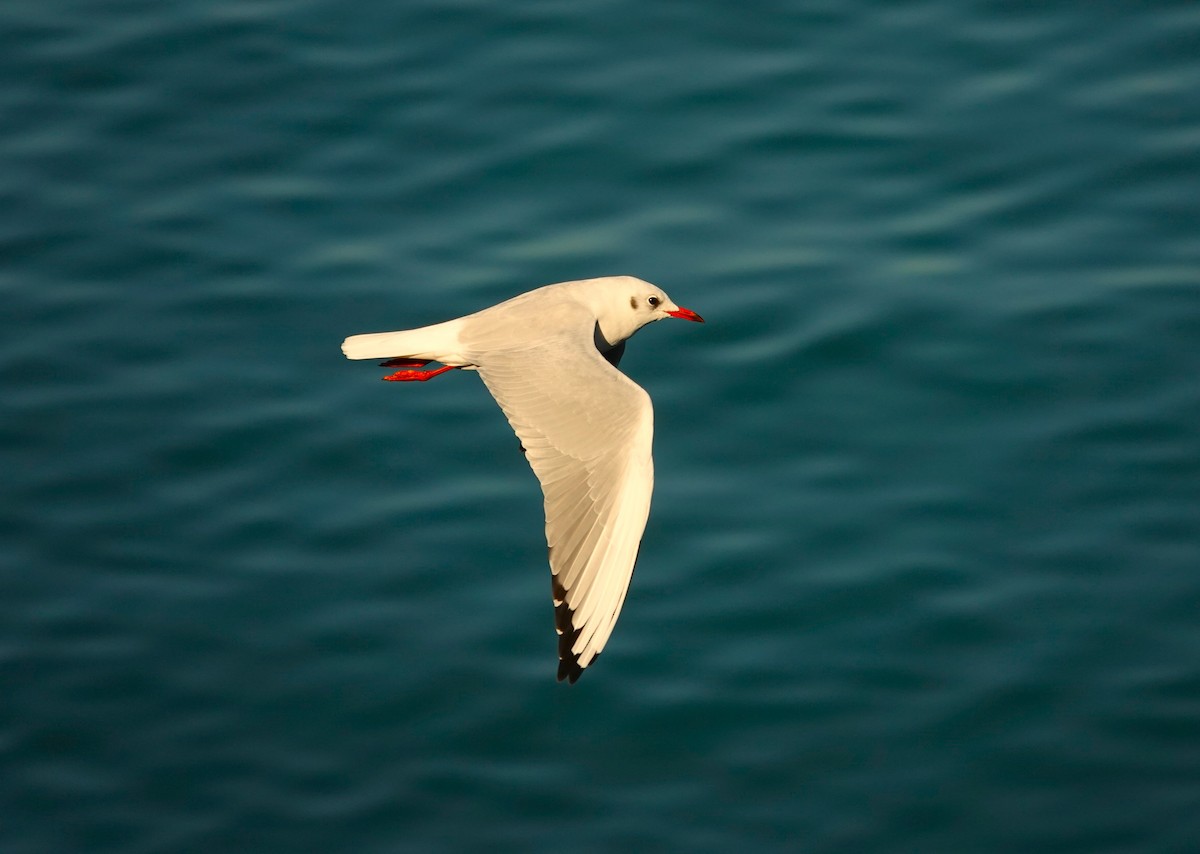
<point>653,301</point>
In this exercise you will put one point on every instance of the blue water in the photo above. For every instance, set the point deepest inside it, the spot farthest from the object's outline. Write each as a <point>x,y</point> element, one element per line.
<point>923,568</point>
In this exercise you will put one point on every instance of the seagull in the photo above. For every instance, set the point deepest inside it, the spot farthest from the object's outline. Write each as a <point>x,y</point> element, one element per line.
<point>549,357</point>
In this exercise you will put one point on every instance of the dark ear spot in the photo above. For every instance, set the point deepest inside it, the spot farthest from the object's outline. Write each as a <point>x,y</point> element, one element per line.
<point>633,303</point>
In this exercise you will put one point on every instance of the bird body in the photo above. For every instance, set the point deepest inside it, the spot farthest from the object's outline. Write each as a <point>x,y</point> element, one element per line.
<point>549,359</point>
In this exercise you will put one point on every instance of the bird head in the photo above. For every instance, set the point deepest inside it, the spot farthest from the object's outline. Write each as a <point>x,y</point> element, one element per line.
<point>624,304</point>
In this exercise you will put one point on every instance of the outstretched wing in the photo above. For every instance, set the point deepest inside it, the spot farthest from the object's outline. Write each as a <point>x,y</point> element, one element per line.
<point>587,430</point>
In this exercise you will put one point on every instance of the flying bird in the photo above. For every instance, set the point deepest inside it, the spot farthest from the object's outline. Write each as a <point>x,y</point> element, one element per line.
<point>549,357</point>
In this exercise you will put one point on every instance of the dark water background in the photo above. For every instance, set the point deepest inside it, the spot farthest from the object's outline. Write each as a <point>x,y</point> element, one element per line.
<point>923,568</point>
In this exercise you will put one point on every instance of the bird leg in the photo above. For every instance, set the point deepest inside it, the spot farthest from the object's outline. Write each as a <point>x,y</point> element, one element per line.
<point>404,363</point>
<point>417,376</point>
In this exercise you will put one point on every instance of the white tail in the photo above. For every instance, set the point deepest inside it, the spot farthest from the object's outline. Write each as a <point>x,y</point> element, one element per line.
<point>437,343</point>
<point>376,345</point>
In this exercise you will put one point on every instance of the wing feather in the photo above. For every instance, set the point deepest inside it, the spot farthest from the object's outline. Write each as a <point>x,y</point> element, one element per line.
<point>587,430</point>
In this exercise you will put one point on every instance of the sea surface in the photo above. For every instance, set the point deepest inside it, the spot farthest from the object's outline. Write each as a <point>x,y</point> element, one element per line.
<point>922,572</point>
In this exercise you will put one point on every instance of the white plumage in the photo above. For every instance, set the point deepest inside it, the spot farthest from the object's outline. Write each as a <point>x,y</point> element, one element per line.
<point>549,359</point>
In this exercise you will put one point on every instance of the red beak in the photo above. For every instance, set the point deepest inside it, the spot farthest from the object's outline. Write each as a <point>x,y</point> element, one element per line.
<point>686,314</point>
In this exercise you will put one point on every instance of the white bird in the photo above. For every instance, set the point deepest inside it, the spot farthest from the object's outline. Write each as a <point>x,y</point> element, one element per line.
<point>549,358</point>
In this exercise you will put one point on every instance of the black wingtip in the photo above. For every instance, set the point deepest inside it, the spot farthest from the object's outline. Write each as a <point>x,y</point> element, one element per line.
<point>568,660</point>
<point>570,671</point>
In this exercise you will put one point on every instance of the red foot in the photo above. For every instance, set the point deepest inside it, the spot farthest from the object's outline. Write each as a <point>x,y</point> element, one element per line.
<point>416,376</point>
<point>404,363</point>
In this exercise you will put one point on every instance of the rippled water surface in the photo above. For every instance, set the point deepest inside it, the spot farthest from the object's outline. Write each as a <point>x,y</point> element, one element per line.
<point>923,568</point>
